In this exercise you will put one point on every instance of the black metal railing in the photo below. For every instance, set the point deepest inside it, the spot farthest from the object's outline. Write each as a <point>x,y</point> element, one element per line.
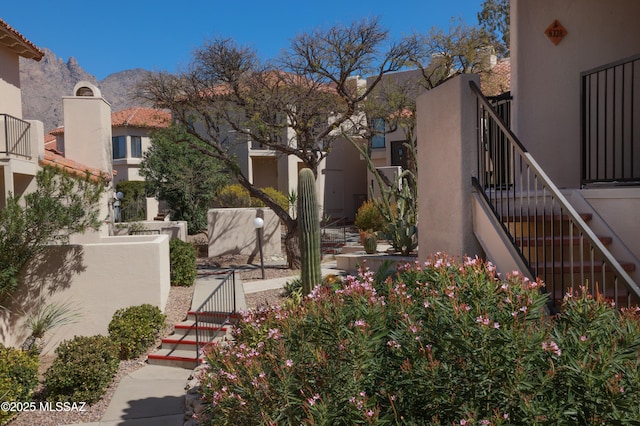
<point>215,312</point>
<point>610,111</point>
<point>547,232</point>
<point>16,137</point>
<point>333,235</point>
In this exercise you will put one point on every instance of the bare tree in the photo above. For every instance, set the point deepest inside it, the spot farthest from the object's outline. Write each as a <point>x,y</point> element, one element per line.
<point>294,105</point>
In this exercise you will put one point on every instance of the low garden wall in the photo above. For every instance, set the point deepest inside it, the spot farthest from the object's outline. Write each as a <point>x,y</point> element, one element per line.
<point>174,228</point>
<point>231,231</point>
<point>97,278</point>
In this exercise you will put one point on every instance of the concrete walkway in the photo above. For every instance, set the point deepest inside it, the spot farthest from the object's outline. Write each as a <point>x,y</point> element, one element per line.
<point>154,395</point>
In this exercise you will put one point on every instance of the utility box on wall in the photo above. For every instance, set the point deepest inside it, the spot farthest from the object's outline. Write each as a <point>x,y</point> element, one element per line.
<point>231,231</point>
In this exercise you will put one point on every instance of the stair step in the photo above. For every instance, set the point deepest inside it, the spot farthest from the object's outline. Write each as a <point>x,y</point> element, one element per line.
<point>184,343</point>
<point>214,317</point>
<point>174,358</point>
<point>557,241</point>
<point>532,218</point>
<point>184,328</point>
<point>586,267</point>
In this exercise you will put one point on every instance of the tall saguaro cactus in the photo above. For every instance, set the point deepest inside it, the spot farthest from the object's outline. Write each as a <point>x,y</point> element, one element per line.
<point>309,225</point>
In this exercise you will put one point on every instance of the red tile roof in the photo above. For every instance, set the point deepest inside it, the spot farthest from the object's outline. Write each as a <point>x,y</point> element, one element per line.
<point>15,41</point>
<point>56,159</point>
<point>497,80</point>
<point>148,118</point>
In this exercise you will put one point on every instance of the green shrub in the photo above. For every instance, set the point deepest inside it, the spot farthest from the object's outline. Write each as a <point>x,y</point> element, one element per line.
<point>18,378</point>
<point>368,217</point>
<point>182,258</point>
<point>83,369</point>
<point>439,343</point>
<point>134,203</point>
<point>135,328</point>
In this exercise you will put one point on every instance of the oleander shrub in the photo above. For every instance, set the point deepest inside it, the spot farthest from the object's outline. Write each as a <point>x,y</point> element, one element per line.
<point>182,259</point>
<point>83,369</point>
<point>135,328</point>
<point>18,377</point>
<point>440,343</point>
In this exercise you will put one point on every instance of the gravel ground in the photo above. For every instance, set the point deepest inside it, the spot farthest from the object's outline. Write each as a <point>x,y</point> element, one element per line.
<point>178,304</point>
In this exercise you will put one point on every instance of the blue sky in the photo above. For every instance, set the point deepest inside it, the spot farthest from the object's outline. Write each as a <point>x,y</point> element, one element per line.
<point>116,35</point>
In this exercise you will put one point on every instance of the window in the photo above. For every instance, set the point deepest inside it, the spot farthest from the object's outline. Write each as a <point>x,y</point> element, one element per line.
<point>136,147</point>
<point>378,139</point>
<point>119,147</point>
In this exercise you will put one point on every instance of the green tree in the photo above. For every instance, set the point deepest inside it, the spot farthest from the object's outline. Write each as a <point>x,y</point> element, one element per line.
<point>61,205</point>
<point>178,173</point>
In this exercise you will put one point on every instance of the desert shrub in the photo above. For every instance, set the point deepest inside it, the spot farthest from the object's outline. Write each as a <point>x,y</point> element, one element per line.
<point>439,343</point>
<point>135,328</point>
<point>82,370</point>
<point>18,377</point>
<point>182,258</point>
<point>236,195</point>
<point>279,197</point>
<point>368,217</point>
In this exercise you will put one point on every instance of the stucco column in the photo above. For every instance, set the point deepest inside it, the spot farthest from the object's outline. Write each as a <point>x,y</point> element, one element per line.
<point>446,161</point>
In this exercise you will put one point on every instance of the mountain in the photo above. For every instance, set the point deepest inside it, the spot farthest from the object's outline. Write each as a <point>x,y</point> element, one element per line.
<point>44,84</point>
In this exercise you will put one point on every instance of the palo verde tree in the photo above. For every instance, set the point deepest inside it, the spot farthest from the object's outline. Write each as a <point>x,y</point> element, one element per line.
<point>61,205</point>
<point>293,105</point>
<point>183,177</point>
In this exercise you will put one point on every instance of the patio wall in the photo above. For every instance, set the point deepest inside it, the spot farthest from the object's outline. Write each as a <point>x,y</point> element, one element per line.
<point>97,278</point>
<point>231,231</point>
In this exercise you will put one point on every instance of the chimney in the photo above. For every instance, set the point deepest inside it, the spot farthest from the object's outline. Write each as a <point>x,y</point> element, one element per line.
<point>87,127</point>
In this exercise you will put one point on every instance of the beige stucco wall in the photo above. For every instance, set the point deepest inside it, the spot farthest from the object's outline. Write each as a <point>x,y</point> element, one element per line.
<point>10,94</point>
<point>446,160</point>
<point>128,168</point>
<point>546,78</point>
<point>345,181</point>
<point>97,278</point>
<point>619,208</point>
<point>231,231</point>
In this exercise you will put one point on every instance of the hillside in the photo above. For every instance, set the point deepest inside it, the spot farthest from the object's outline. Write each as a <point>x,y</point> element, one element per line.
<point>44,84</point>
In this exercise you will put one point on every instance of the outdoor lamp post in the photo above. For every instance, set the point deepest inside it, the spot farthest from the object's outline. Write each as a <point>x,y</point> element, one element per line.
<point>258,223</point>
<point>117,206</point>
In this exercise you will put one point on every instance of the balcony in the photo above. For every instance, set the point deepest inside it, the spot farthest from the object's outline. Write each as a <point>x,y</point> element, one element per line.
<point>14,137</point>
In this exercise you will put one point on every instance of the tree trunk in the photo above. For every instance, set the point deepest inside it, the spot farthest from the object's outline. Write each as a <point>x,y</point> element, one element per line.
<point>292,248</point>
